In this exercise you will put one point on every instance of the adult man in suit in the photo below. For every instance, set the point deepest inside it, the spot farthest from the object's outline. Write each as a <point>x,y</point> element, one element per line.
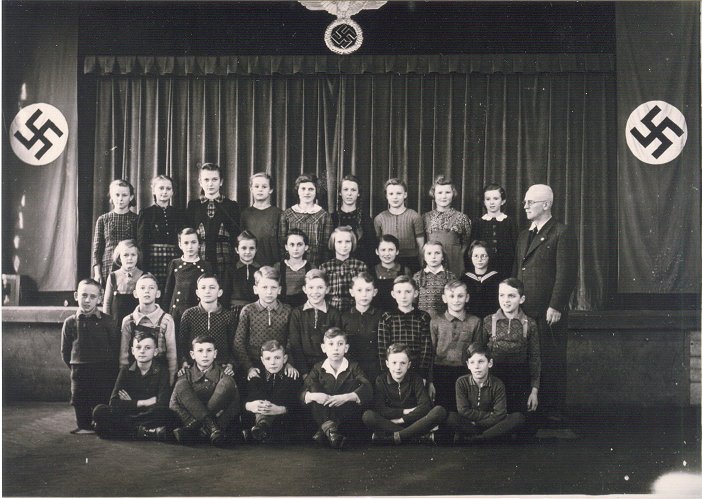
<point>547,263</point>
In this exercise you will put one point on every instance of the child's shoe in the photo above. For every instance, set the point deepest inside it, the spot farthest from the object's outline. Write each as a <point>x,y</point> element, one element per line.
<point>83,431</point>
<point>186,435</point>
<point>382,438</point>
<point>157,434</point>
<point>261,434</point>
<point>427,439</point>
<point>318,437</point>
<point>336,439</point>
<point>214,432</point>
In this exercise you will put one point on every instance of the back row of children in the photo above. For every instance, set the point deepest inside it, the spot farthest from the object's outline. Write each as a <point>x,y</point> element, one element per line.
<point>206,395</point>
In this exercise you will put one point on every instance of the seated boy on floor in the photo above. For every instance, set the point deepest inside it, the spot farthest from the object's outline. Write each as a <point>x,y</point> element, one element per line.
<point>139,402</point>
<point>205,398</point>
<point>402,409</point>
<point>481,401</point>
<point>272,397</point>
<point>335,389</point>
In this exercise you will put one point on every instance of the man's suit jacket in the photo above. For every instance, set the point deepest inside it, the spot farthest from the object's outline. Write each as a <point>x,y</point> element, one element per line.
<point>548,268</point>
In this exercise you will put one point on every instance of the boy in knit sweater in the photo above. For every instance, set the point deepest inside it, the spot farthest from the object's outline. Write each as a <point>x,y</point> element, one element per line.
<point>209,318</point>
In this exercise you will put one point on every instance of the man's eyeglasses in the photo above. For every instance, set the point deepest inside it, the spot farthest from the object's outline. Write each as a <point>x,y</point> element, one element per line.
<point>529,202</point>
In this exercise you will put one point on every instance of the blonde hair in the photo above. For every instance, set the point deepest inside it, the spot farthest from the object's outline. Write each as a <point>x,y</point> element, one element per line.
<point>122,245</point>
<point>346,229</point>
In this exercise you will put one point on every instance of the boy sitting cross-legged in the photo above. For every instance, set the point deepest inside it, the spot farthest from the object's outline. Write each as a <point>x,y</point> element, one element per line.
<point>335,390</point>
<point>401,408</point>
<point>205,398</point>
<point>481,401</point>
<point>272,397</point>
<point>139,402</point>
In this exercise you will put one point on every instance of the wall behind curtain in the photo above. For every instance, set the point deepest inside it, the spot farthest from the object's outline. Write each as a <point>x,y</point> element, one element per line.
<point>40,212</point>
<point>513,128</point>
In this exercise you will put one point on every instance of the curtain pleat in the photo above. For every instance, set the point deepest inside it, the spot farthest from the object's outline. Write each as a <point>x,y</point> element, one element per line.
<point>512,128</point>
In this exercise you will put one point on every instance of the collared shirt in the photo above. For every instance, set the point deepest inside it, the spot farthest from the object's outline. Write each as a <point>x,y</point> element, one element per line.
<point>406,227</point>
<point>362,331</point>
<point>87,339</point>
<point>259,323</point>
<point>514,342</point>
<point>431,288</point>
<point>220,324</point>
<point>487,217</point>
<point>298,209</point>
<point>348,379</point>
<point>153,383</point>
<point>307,327</point>
<point>485,405</point>
<point>340,275</point>
<point>321,307</point>
<point>204,199</point>
<point>538,226</point>
<point>242,283</point>
<point>451,335</point>
<point>436,271</point>
<point>326,365</point>
<point>161,325</point>
<point>392,397</point>
<point>411,328</point>
<point>94,313</point>
<point>296,267</point>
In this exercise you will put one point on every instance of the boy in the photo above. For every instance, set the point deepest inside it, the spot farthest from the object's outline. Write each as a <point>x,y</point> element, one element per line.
<point>480,398</point>
<point>335,390</point>
<point>205,399</point>
<point>403,223</point>
<point>266,319</point>
<point>410,326</point>
<point>272,397</point>
<point>402,408</point>
<point>242,274</point>
<point>309,322</point>
<point>361,325</point>
<point>451,333</point>
<point>513,338</point>
<point>89,348</point>
<point>139,402</point>
<point>386,271</point>
<point>209,318</point>
<point>148,317</point>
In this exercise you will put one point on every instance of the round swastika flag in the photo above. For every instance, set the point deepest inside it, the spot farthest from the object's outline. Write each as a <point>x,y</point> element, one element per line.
<point>38,134</point>
<point>656,132</point>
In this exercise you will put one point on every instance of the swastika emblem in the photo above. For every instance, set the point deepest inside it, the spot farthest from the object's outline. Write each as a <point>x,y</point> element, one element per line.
<point>343,36</point>
<point>38,134</point>
<point>656,132</point>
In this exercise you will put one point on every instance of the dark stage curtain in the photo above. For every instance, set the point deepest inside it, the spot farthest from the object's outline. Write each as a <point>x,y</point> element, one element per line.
<point>516,126</point>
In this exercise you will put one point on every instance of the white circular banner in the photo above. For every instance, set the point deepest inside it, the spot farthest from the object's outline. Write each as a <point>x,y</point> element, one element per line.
<point>343,36</point>
<point>656,132</point>
<point>38,134</point>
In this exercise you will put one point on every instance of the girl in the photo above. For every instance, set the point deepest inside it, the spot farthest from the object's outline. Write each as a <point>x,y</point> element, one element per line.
<point>113,227</point>
<point>119,291</point>
<point>262,219</point>
<point>497,230</point>
<point>217,222</point>
<point>157,229</point>
<point>447,225</point>
<point>293,269</point>
<point>432,278</point>
<point>350,214</point>
<point>181,282</point>
<point>342,269</point>
<point>309,217</point>
<point>403,223</point>
<point>482,283</point>
<point>386,271</point>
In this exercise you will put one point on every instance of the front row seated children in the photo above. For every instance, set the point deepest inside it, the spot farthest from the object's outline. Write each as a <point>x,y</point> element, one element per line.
<point>451,333</point>
<point>148,317</point>
<point>209,318</point>
<point>242,273</point>
<point>89,347</point>
<point>204,397</point>
<point>309,322</point>
<point>482,405</point>
<point>294,268</point>
<point>139,402</point>
<point>513,338</point>
<point>402,410</point>
<point>271,401</point>
<point>263,320</point>
<point>386,271</point>
<point>335,390</point>
<point>410,326</point>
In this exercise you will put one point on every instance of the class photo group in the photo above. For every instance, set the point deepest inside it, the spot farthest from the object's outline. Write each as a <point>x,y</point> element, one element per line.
<point>228,325</point>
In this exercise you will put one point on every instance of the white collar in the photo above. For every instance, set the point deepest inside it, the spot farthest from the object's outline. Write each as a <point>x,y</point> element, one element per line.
<point>438,271</point>
<point>154,316</point>
<point>499,217</point>
<point>315,209</point>
<point>328,368</point>
<point>538,226</point>
<point>321,308</point>
<point>295,269</point>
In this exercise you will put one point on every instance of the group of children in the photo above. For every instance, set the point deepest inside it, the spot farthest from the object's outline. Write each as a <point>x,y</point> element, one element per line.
<point>257,325</point>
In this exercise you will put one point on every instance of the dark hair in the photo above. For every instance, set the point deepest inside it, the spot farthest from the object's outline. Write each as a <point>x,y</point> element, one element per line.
<point>120,182</point>
<point>298,232</point>
<point>333,332</point>
<point>272,346</point>
<point>476,348</point>
<point>186,232</point>
<point>401,279</point>
<point>245,235</point>
<point>478,244</point>
<point>213,167</point>
<point>495,187</point>
<point>350,178</point>
<point>514,283</point>
<point>88,281</point>
<point>389,238</point>
<point>399,348</point>
<point>304,178</point>
<point>208,275</point>
<point>143,335</point>
<point>203,338</point>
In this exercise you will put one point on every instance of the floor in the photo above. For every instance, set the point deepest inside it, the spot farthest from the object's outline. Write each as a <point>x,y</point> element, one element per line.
<point>616,452</point>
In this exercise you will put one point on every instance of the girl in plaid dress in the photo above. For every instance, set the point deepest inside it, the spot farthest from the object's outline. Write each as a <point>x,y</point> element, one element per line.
<point>309,217</point>
<point>157,229</point>
<point>342,269</point>
<point>113,227</point>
